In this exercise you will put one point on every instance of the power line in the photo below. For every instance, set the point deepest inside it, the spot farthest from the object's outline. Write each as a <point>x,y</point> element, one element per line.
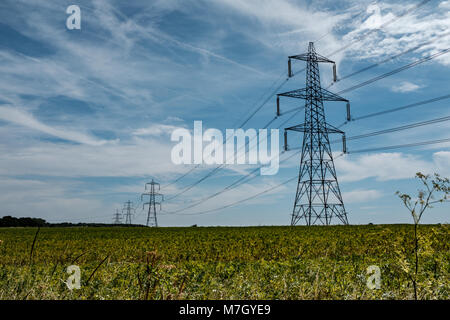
<point>242,179</point>
<point>390,130</point>
<point>181,177</point>
<point>243,200</point>
<point>268,98</point>
<point>401,108</point>
<point>298,109</point>
<point>273,93</point>
<point>405,127</point>
<point>242,125</point>
<point>352,18</point>
<point>423,143</point>
<point>252,176</point>
<point>362,37</point>
<point>264,103</point>
<point>233,184</point>
<point>410,65</point>
<point>346,90</point>
<point>416,104</point>
<point>389,59</point>
<point>216,169</point>
<point>386,60</point>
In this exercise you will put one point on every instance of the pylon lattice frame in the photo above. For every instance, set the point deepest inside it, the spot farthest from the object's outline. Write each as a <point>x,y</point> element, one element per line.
<point>128,208</point>
<point>117,217</point>
<point>153,195</point>
<point>318,198</point>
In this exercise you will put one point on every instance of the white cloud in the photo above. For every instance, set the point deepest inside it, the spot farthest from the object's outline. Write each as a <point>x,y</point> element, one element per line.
<point>444,4</point>
<point>405,86</point>
<point>442,161</point>
<point>156,130</point>
<point>357,196</point>
<point>390,166</point>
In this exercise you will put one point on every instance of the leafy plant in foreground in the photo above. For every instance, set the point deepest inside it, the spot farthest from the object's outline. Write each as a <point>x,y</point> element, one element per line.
<point>425,199</point>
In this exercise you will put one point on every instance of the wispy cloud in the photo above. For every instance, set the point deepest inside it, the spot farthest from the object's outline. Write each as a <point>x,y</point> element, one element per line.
<point>155,130</point>
<point>425,24</point>
<point>405,86</point>
<point>20,117</point>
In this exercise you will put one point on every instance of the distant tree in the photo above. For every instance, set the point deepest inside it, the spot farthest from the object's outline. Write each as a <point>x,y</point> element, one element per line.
<point>437,189</point>
<point>8,221</point>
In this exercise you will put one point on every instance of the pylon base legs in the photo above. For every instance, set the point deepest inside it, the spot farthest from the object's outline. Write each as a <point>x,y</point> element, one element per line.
<point>319,214</point>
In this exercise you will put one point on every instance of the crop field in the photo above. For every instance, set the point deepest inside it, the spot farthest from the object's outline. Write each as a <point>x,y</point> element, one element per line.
<point>224,262</point>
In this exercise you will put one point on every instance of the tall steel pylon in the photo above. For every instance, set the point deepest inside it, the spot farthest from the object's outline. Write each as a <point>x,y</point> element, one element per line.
<point>151,216</point>
<point>318,198</point>
<point>117,217</point>
<point>128,207</point>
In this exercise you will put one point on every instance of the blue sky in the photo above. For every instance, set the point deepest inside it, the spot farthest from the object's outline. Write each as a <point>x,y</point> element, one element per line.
<point>86,115</point>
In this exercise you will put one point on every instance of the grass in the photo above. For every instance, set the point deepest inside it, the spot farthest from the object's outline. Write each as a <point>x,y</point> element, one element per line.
<point>223,262</point>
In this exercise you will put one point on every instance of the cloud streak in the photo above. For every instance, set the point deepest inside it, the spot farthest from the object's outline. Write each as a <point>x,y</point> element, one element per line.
<point>20,117</point>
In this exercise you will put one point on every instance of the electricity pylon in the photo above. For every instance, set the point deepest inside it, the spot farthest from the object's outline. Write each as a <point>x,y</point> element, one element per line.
<point>128,207</point>
<point>117,218</point>
<point>318,198</point>
<point>151,216</point>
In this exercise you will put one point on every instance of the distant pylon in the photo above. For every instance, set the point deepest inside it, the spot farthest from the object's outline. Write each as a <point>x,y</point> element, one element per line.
<point>117,218</point>
<point>151,216</point>
<point>128,207</point>
<point>318,198</point>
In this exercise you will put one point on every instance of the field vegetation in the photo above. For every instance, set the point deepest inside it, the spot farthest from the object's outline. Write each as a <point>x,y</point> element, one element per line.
<point>224,262</point>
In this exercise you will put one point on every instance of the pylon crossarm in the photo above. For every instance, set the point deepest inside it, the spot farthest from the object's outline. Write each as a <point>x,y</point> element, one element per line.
<point>298,128</point>
<point>153,184</point>
<point>299,94</point>
<point>302,128</point>
<point>330,96</point>
<point>314,58</point>
<point>146,203</point>
<point>302,94</point>
<point>333,129</point>
<point>158,203</point>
